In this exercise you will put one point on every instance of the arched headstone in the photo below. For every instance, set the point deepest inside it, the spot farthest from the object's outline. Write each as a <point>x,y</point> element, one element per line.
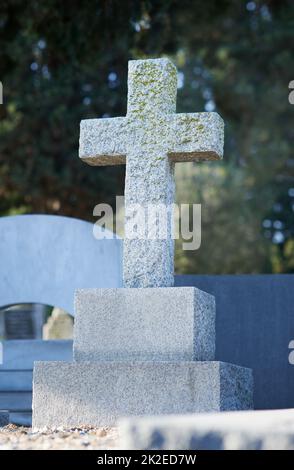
<point>44,259</point>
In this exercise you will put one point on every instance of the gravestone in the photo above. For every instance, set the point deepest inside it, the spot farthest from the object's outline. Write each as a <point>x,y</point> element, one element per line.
<point>150,139</point>
<point>147,348</point>
<point>23,321</point>
<point>19,323</point>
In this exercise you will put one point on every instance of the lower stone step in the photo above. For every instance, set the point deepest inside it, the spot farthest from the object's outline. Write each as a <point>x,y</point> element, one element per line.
<point>99,393</point>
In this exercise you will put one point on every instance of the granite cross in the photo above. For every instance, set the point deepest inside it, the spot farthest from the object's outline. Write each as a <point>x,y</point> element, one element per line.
<point>149,140</point>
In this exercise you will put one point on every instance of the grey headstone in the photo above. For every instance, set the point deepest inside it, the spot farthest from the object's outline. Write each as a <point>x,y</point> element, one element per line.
<point>158,324</point>
<point>97,394</point>
<point>164,329</point>
<point>19,324</point>
<point>44,258</point>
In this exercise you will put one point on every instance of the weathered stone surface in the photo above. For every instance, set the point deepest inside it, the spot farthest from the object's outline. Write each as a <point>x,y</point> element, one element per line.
<point>96,145</point>
<point>162,324</point>
<point>150,139</point>
<point>4,418</point>
<point>246,430</point>
<point>72,394</point>
<point>196,137</point>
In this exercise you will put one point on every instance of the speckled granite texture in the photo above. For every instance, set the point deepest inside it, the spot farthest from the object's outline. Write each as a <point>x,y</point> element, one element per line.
<point>149,140</point>
<point>97,394</point>
<point>154,324</point>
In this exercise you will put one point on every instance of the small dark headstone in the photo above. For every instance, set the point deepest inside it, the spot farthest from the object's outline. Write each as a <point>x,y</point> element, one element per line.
<point>19,323</point>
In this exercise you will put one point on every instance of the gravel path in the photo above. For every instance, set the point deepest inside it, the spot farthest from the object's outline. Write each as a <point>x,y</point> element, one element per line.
<point>21,438</point>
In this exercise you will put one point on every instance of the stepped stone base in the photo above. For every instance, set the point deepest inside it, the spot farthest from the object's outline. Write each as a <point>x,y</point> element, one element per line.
<point>98,394</point>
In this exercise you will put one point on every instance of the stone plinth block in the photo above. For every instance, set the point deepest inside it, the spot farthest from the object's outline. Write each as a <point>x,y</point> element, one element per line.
<point>98,394</point>
<point>4,418</point>
<point>244,430</point>
<point>161,324</point>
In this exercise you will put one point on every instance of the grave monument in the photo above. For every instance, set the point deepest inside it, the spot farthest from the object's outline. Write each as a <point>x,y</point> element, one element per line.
<point>149,347</point>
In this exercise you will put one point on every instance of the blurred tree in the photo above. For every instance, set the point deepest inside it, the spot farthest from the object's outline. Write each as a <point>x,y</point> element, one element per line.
<point>242,69</point>
<point>64,61</point>
<point>231,239</point>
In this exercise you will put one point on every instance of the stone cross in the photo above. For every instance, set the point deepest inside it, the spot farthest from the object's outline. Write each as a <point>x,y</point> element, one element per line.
<point>149,140</point>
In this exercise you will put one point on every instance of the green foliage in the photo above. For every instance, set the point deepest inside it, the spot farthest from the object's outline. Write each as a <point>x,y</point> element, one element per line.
<point>64,61</point>
<point>231,239</point>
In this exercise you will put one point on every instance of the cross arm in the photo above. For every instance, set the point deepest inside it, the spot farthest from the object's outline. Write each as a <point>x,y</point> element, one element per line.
<point>196,137</point>
<point>103,141</point>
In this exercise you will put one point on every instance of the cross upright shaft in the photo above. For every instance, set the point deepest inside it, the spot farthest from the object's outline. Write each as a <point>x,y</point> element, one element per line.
<point>150,139</point>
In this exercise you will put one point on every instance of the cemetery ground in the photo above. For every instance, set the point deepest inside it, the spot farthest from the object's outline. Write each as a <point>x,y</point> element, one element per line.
<point>83,438</point>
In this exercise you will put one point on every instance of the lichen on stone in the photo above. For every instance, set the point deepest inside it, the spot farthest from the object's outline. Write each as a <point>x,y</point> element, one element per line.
<point>150,139</point>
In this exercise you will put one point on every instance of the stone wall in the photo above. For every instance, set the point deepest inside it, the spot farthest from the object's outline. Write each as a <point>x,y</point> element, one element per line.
<point>254,327</point>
